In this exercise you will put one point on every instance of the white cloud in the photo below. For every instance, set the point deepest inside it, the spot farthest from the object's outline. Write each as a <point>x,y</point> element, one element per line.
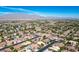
<point>21,10</point>
<point>25,11</point>
<point>5,12</point>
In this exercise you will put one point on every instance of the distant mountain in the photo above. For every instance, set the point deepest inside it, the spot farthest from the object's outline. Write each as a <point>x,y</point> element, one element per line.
<point>22,16</point>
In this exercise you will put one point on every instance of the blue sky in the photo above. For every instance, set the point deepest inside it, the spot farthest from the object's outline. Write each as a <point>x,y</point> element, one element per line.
<point>69,11</point>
